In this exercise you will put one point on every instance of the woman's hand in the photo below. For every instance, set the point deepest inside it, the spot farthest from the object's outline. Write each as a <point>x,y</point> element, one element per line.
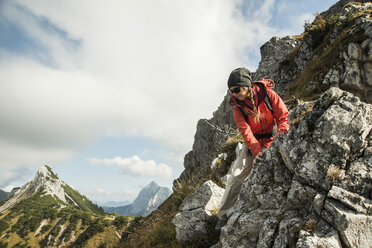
<point>258,156</point>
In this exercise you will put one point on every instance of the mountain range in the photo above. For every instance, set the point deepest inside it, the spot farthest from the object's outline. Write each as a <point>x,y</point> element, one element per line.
<point>47,183</point>
<point>112,203</point>
<point>3,195</point>
<point>148,199</point>
<point>46,212</point>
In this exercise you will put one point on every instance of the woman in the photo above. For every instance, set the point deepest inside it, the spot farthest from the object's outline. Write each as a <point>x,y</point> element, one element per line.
<point>257,109</point>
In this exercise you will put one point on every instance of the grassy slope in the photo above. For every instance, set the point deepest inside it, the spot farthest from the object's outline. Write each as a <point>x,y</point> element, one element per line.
<point>69,226</point>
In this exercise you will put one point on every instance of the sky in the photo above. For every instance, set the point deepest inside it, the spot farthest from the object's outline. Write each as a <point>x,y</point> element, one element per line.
<point>108,93</point>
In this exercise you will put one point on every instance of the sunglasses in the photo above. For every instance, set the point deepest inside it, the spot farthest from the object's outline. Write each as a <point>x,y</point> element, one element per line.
<point>235,90</point>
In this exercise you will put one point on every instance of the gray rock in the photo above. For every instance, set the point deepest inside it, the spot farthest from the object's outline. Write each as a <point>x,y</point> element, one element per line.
<point>318,203</point>
<point>320,168</point>
<point>191,224</point>
<point>355,229</point>
<point>195,212</point>
<point>272,53</point>
<point>351,200</point>
<point>207,196</point>
<point>323,236</point>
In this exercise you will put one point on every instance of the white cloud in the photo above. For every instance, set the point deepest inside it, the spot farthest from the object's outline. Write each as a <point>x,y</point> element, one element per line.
<point>135,166</point>
<point>10,176</point>
<point>149,70</point>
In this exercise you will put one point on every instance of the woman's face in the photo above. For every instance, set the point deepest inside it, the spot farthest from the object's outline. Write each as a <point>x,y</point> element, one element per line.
<point>242,94</point>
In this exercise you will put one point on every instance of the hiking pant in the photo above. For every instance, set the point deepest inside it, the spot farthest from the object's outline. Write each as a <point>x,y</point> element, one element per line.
<point>238,172</point>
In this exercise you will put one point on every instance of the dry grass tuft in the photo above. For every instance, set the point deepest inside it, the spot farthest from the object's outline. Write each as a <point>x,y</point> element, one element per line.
<point>333,173</point>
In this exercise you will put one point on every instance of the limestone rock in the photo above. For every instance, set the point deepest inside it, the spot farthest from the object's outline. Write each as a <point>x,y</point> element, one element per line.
<point>191,224</point>
<point>323,236</point>
<point>272,53</point>
<point>195,212</point>
<point>313,185</point>
<point>355,228</point>
<point>207,196</point>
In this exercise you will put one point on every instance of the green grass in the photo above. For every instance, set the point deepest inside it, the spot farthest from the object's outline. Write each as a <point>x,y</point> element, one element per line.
<point>25,217</point>
<point>34,210</point>
<point>97,226</point>
<point>121,221</point>
<point>3,226</point>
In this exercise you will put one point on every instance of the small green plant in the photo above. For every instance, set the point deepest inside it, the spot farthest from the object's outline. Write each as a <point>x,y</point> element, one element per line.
<point>121,221</point>
<point>3,226</point>
<point>214,211</point>
<point>45,228</point>
<point>95,227</point>
<point>3,245</point>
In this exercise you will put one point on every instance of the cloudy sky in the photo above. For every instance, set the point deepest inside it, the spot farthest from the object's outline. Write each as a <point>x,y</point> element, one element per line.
<point>108,93</point>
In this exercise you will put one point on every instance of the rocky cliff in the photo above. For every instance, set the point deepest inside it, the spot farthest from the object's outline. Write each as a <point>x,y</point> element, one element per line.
<point>314,186</point>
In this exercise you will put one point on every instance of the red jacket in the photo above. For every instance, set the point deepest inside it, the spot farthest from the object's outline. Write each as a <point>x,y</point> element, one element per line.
<point>266,122</point>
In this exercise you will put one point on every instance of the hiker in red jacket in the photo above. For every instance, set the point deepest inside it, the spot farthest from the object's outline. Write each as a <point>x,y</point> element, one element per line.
<point>257,109</point>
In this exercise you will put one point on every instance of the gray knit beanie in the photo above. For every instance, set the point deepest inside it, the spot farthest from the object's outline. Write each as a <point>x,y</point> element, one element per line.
<point>240,77</point>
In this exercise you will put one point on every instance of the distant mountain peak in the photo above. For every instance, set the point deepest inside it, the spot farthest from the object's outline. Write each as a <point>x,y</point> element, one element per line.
<point>47,182</point>
<point>148,199</point>
<point>152,184</point>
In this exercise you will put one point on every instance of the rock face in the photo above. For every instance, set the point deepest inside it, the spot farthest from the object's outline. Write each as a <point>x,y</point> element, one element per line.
<point>351,69</point>
<point>272,52</point>
<point>314,185</point>
<point>196,210</point>
<point>148,199</point>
